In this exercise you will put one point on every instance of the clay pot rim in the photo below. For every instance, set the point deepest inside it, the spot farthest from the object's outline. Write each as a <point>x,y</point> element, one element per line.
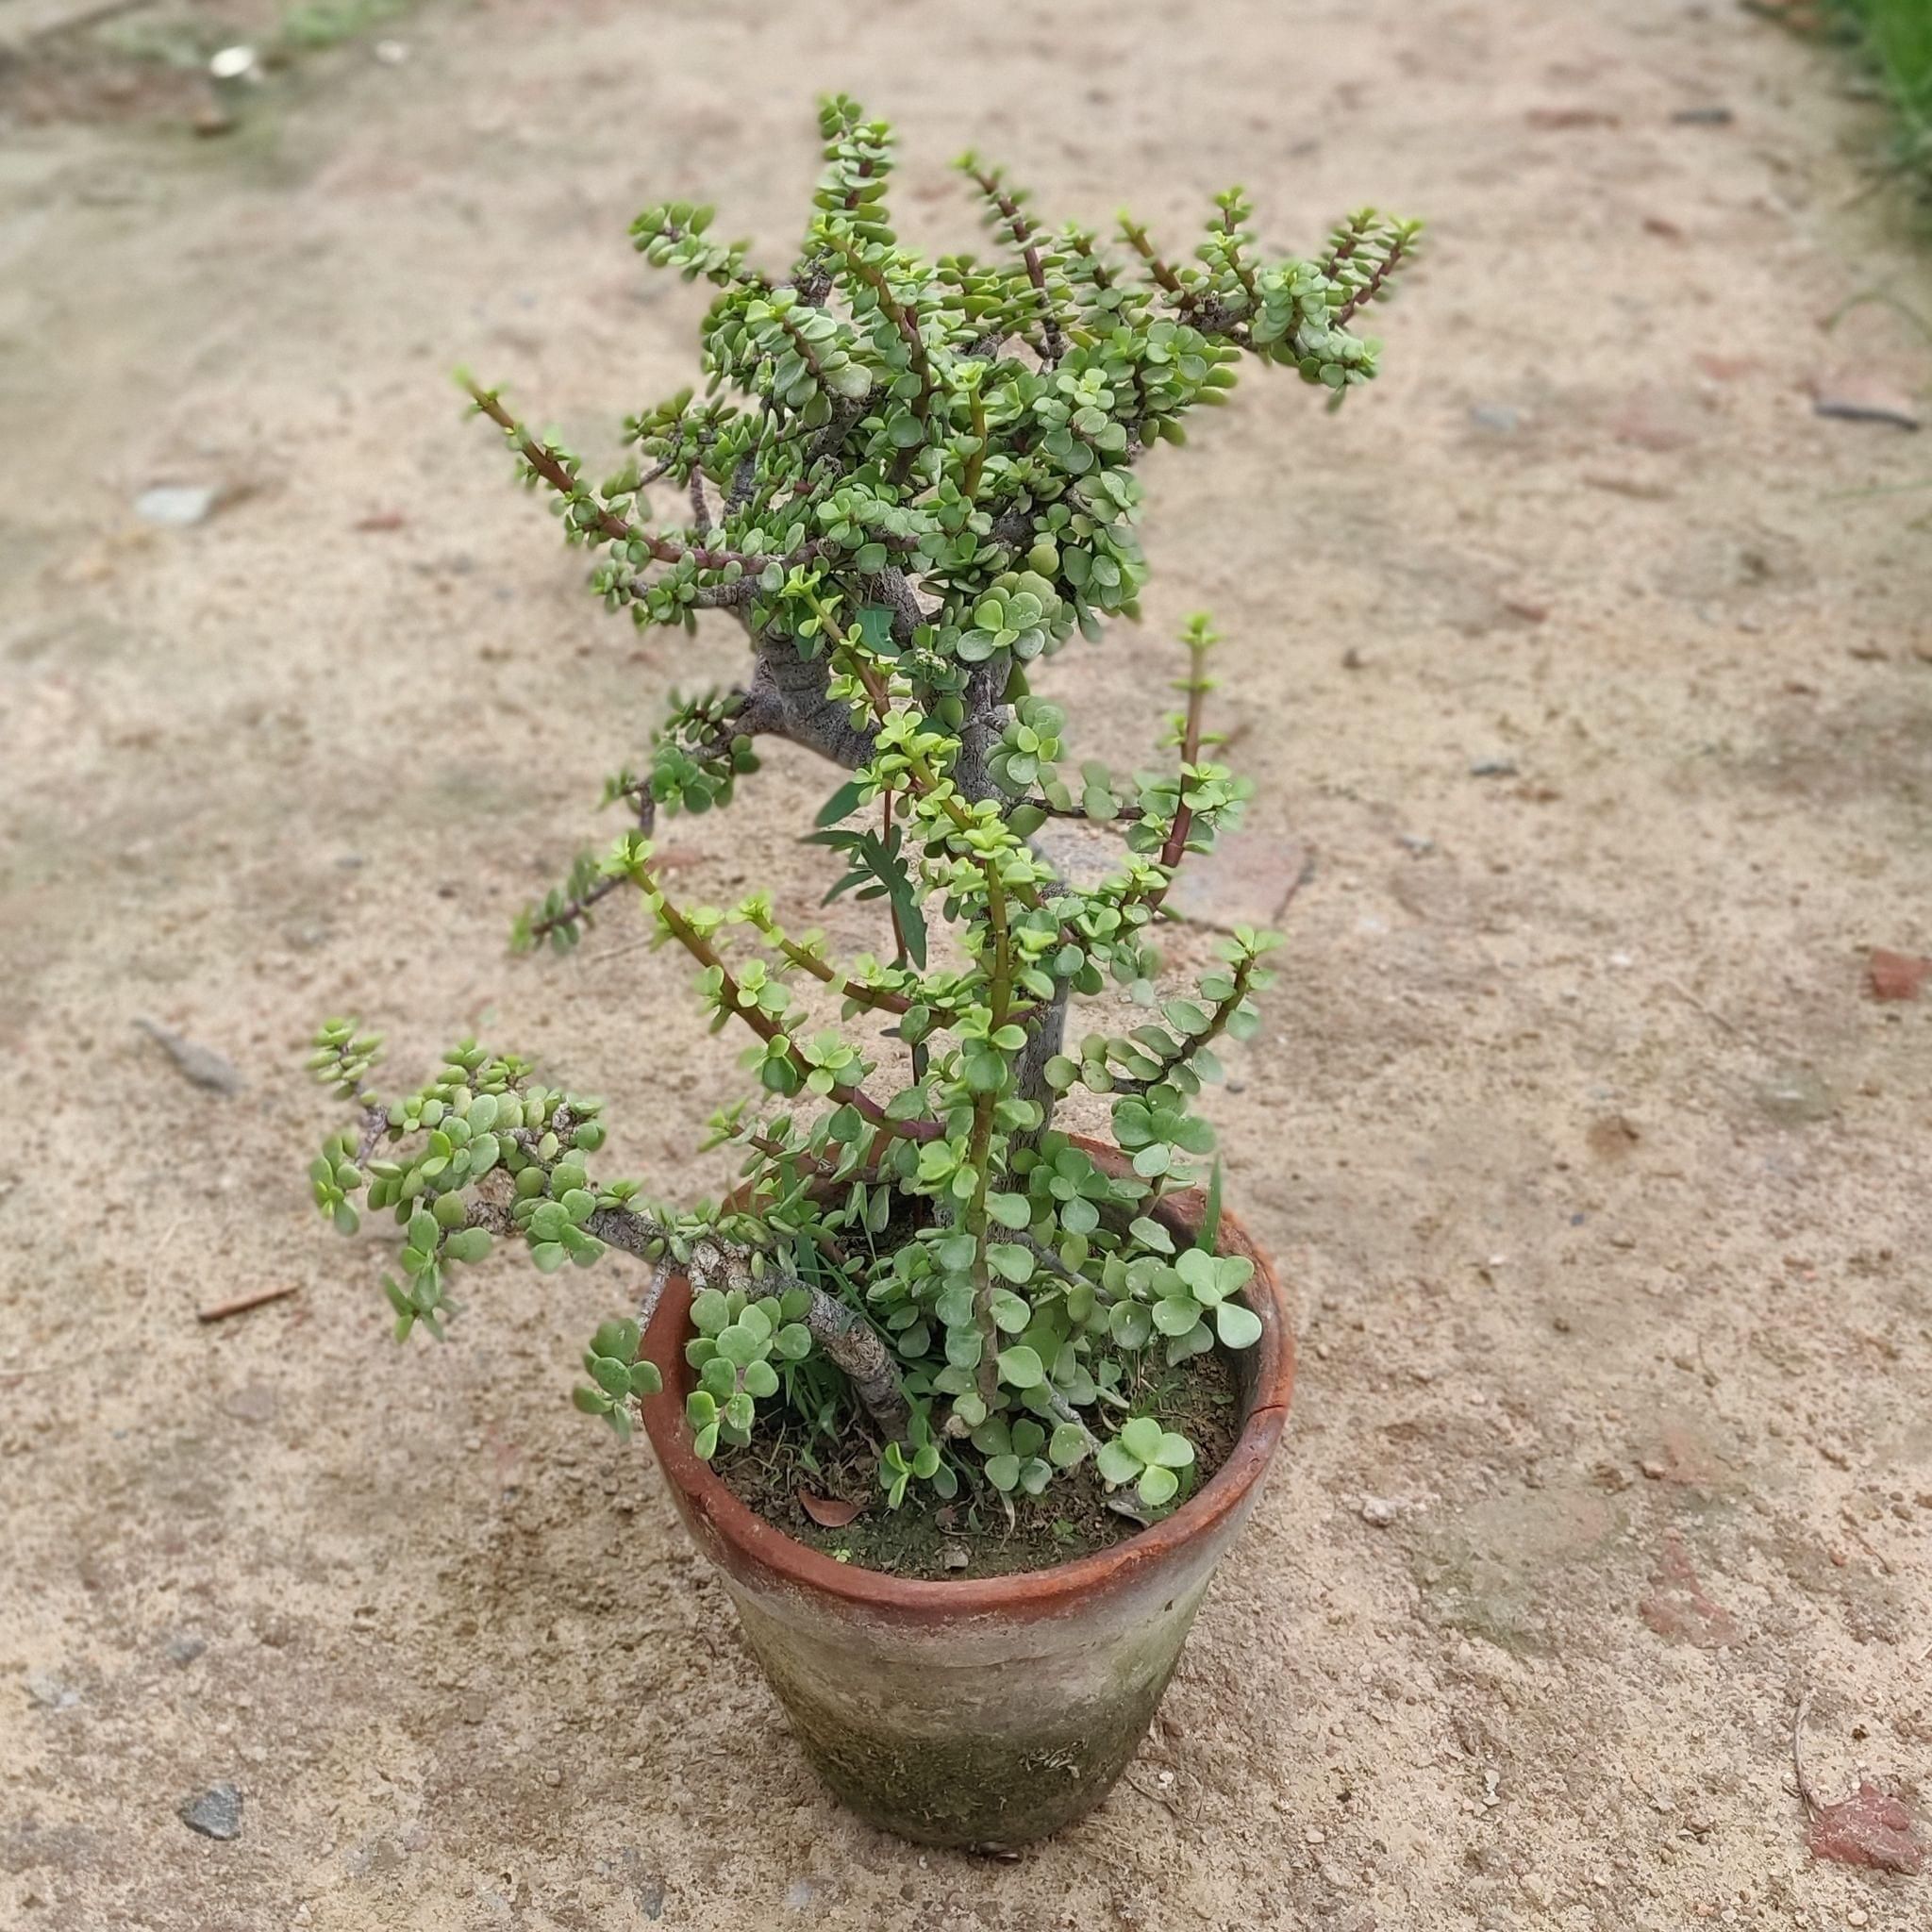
<point>751,1542</point>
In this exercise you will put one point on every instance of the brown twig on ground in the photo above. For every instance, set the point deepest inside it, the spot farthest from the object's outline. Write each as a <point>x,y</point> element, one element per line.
<point>1804,1790</point>
<point>241,1304</point>
<point>1769,1046</point>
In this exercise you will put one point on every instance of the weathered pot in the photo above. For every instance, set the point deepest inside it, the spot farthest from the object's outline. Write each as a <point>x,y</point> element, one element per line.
<point>979,1713</point>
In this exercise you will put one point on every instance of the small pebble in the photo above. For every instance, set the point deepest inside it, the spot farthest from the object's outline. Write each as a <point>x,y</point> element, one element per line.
<point>49,1693</point>
<point>216,1813</point>
<point>1498,417</point>
<point>184,1650</point>
<point>1793,1096</point>
<point>1493,768</point>
<point>174,505</point>
<point>200,1064</point>
<point>1378,1511</point>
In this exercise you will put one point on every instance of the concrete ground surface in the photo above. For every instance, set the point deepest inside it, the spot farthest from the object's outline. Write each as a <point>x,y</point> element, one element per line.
<point>1590,667</point>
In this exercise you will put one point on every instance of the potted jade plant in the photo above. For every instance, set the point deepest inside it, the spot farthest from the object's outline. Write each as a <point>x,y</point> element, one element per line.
<point>964,1406</point>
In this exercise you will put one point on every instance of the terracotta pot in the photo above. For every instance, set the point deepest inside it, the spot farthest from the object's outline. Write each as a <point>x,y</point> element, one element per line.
<point>978,1713</point>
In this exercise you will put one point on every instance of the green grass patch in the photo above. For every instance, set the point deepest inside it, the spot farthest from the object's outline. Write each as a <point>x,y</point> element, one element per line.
<point>1896,37</point>
<point>310,28</point>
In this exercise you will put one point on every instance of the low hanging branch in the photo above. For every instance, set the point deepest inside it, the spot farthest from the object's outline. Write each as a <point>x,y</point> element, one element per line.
<point>909,482</point>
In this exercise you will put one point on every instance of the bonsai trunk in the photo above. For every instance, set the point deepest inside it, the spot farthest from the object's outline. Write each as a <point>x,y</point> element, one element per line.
<point>787,698</point>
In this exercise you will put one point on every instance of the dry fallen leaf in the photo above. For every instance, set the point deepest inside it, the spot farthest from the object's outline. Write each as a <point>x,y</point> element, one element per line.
<point>828,1512</point>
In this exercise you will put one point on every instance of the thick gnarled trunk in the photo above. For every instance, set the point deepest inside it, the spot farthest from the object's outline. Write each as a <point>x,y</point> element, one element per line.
<point>787,698</point>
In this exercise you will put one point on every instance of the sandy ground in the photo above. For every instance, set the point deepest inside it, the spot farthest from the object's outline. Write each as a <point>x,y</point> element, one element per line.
<point>1601,1177</point>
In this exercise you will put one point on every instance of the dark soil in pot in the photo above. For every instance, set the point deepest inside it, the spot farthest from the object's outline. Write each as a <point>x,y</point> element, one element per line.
<point>976,1534</point>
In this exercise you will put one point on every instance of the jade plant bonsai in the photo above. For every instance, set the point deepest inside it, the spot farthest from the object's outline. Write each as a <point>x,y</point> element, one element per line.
<point>910,482</point>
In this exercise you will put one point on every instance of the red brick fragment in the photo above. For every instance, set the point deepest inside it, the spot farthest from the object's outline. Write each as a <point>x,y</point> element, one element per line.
<point>1897,976</point>
<point>1679,1608</point>
<point>1871,1827</point>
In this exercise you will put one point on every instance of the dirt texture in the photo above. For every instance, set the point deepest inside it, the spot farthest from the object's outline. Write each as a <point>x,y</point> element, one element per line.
<point>1587,669</point>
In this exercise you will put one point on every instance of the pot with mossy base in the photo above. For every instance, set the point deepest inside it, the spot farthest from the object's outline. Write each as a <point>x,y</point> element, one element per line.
<point>965,1408</point>
<point>991,1711</point>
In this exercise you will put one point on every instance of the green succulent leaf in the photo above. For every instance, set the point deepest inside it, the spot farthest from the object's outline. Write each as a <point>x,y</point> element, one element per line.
<point>1021,1367</point>
<point>610,1375</point>
<point>1174,1315</point>
<point>1157,1486</point>
<point>1236,1324</point>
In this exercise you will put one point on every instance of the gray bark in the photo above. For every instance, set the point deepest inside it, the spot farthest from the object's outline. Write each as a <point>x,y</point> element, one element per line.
<point>848,1341</point>
<point>787,699</point>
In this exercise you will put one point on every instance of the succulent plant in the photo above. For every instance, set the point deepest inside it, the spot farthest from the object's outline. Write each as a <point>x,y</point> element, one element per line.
<point>910,482</point>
